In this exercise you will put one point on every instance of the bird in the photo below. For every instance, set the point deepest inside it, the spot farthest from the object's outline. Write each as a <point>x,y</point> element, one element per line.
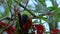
<point>26,23</point>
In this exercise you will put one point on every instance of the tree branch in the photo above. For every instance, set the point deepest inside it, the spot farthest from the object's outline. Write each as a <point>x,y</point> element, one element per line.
<point>26,9</point>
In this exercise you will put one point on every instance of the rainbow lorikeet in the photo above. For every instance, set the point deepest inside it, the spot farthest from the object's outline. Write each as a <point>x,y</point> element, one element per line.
<point>26,23</point>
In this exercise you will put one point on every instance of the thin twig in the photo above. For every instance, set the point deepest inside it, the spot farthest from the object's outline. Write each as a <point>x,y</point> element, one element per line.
<point>9,25</point>
<point>10,12</point>
<point>26,9</point>
<point>27,1</point>
<point>9,20</point>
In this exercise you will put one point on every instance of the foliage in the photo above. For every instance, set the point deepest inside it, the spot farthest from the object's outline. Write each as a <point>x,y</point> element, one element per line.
<point>40,8</point>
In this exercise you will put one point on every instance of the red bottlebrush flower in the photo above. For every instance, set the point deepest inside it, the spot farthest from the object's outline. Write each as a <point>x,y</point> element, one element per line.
<point>40,29</point>
<point>4,24</point>
<point>12,28</point>
<point>9,29</point>
<point>0,24</point>
<point>55,31</point>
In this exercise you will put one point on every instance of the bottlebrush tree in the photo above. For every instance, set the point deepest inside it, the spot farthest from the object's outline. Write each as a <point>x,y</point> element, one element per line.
<point>10,10</point>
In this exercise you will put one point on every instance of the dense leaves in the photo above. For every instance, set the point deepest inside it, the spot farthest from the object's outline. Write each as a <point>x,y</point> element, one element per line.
<point>42,2</point>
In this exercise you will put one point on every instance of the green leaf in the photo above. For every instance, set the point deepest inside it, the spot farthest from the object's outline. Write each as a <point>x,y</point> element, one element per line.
<point>6,10</point>
<point>52,8</point>
<point>42,18</point>
<point>10,2</point>
<point>0,14</point>
<point>42,2</point>
<point>55,6</point>
<point>25,12</point>
<point>57,14</point>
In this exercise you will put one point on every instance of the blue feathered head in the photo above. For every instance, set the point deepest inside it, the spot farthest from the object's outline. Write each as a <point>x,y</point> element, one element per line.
<point>24,18</point>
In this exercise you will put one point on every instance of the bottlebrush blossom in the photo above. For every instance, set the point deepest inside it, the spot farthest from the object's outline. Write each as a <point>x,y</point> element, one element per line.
<point>9,30</point>
<point>40,29</point>
<point>55,31</point>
